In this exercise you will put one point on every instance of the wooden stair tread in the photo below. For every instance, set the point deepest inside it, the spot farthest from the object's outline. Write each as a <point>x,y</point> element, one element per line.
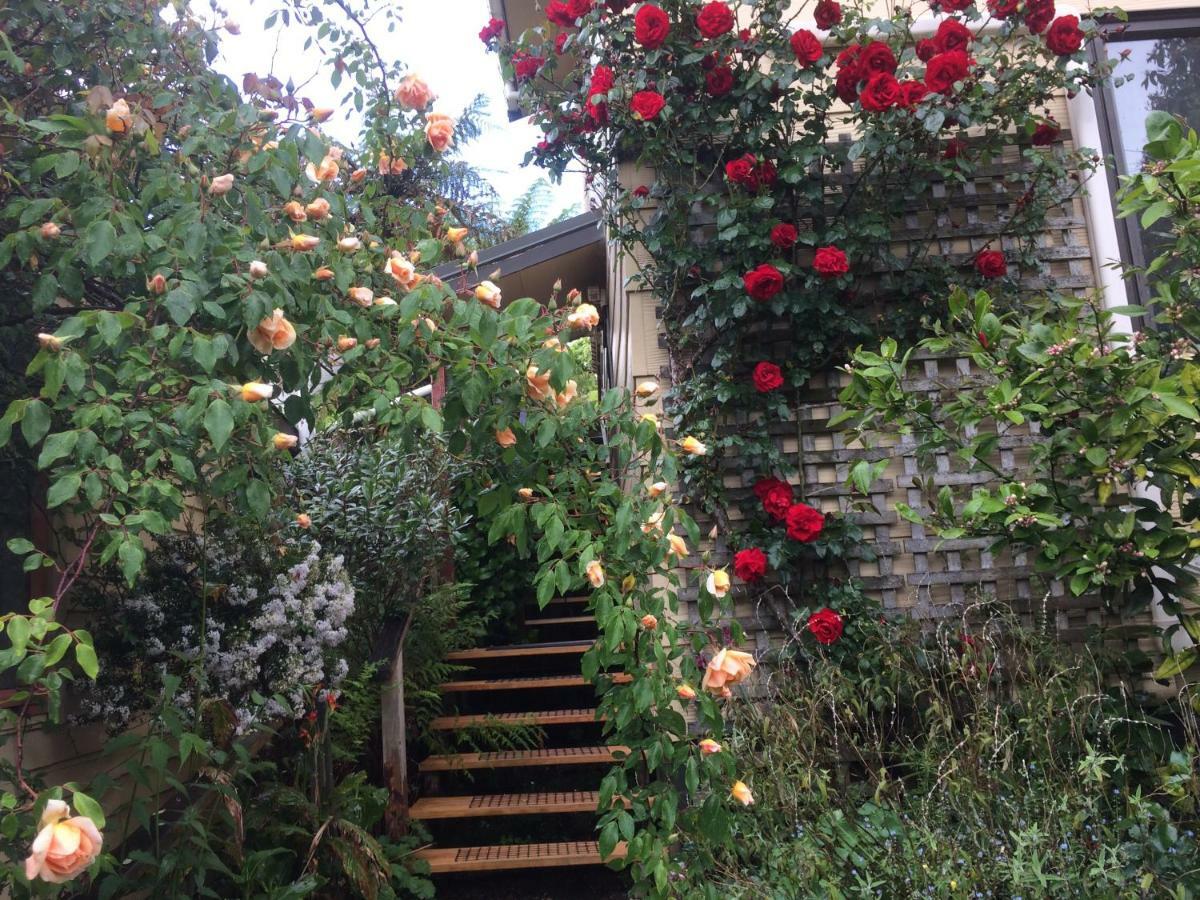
<point>509,719</point>
<point>540,803</point>
<point>557,648</point>
<point>561,620</point>
<point>514,856</point>
<point>529,681</point>
<point>510,759</point>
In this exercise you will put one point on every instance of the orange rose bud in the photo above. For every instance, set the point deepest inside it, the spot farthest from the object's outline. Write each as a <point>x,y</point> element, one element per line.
<point>304,242</point>
<point>358,175</point>
<point>294,211</point>
<point>741,794</point>
<point>318,209</point>
<point>708,747</point>
<point>118,118</point>
<point>650,622</point>
<point>49,342</point>
<point>345,342</point>
<point>348,244</point>
<point>361,295</point>
<point>372,343</point>
<point>595,573</point>
<point>439,131</point>
<point>253,391</point>
<point>685,692</point>
<point>221,185</point>
<point>157,284</point>
<point>487,293</point>
<point>50,230</point>
<point>304,520</point>
<point>505,437</point>
<point>455,235</point>
<point>284,441</point>
<point>320,114</point>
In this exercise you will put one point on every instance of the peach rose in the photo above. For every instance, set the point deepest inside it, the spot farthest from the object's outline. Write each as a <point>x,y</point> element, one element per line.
<point>324,273</point>
<point>389,166</point>
<point>320,114</point>
<point>584,316</point>
<point>658,488</point>
<point>157,284</point>
<point>304,520</point>
<point>708,747</point>
<point>486,292</point>
<point>439,130</point>
<point>414,93</point>
<point>318,209</point>
<point>253,391</point>
<point>294,211</point>
<point>273,333</point>
<point>64,847</point>
<point>690,445</point>
<point>258,269</point>
<point>654,523</point>
<point>348,244</point>
<point>50,230</point>
<point>595,573</point>
<point>718,582</point>
<point>741,793</point>
<point>361,295</point>
<point>537,384</point>
<point>325,170</point>
<point>403,272</point>
<point>49,342</point>
<point>303,242</point>
<point>568,393</point>
<point>525,494</point>
<point>345,342</point>
<point>284,441</point>
<point>646,389</point>
<point>455,235</point>
<point>384,301</point>
<point>685,692</point>
<point>650,622</point>
<point>727,668</point>
<point>221,185</point>
<point>505,437</point>
<point>118,118</point>
<point>358,175</point>
<point>679,546</point>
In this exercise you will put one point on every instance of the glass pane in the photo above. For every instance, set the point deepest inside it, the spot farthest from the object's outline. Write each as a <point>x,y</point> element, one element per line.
<point>1166,76</point>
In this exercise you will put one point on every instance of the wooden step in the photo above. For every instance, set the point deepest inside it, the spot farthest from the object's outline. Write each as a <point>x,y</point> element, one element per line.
<point>514,856</point>
<point>530,681</point>
<point>561,620</point>
<point>513,759</point>
<point>514,719</point>
<point>539,804</point>
<point>557,648</point>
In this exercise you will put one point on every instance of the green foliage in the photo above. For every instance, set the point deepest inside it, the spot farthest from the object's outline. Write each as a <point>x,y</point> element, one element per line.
<point>977,759</point>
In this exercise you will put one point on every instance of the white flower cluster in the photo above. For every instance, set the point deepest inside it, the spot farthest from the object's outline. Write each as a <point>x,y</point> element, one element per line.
<point>275,634</point>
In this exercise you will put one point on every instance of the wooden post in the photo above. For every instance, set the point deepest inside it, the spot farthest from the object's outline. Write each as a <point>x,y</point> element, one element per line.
<point>395,752</point>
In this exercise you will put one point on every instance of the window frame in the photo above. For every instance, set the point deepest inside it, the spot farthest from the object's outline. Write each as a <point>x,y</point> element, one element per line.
<point>1147,25</point>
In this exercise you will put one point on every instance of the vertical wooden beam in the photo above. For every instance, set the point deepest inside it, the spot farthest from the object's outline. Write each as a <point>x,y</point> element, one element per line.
<point>395,751</point>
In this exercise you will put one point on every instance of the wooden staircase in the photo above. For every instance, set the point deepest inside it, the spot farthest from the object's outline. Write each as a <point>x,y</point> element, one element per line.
<point>469,796</point>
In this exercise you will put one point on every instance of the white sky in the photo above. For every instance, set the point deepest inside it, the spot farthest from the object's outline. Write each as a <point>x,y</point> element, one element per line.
<point>438,40</point>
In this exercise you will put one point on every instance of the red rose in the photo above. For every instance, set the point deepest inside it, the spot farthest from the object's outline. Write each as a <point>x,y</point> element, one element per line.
<point>1038,14</point>
<point>525,65</point>
<point>1003,9</point>
<point>767,377</point>
<point>651,26</point>
<point>945,69</point>
<point>951,5</point>
<point>830,262</point>
<point>719,81</point>
<point>741,170</point>
<point>750,564</point>
<point>848,58</point>
<point>846,85</point>
<point>1064,36</point>
<point>714,19</point>
<point>560,41</point>
<point>1045,134</point>
<point>602,80</point>
<point>579,8</point>
<point>559,13</point>
<point>953,35</point>
<point>646,105</point>
<point>807,47</point>
<point>492,30</point>
<point>804,523</point>
<point>764,282</point>
<point>912,92</point>
<point>991,264</point>
<point>876,57</point>
<point>926,49</point>
<point>825,625</point>
<point>775,496</point>
<point>784,235</point>
<point>955,147</point>
<point>881,92</point>
<point>641,191</point>
<point>765,173</point>
<point>827,14</point>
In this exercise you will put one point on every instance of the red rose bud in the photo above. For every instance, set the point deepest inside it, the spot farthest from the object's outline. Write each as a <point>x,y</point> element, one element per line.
<point>991,264</point>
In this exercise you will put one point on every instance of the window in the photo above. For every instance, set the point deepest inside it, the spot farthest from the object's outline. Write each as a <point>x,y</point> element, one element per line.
<point>1158,69</point>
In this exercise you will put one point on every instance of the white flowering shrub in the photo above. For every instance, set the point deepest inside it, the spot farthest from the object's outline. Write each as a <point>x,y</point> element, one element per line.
<point>260,624</point>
